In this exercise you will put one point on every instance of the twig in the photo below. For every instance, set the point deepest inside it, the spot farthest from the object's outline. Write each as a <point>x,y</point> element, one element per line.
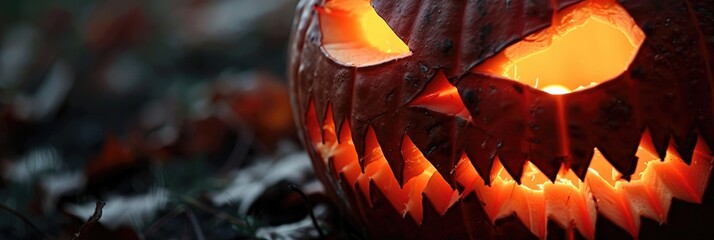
<point>92,220</point>
<point>309,209</point>
<point>26,221</point>
<point>222,215</point>
<point>240,151</point>
<point>244,142</point>
<point>194,222</point>
<point>163,220</point>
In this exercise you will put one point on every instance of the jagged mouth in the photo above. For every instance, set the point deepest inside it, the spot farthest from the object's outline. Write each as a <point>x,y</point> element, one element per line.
<point>569,201</point>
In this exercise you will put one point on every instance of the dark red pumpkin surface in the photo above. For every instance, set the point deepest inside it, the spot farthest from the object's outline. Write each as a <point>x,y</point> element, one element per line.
<point>666,91</point>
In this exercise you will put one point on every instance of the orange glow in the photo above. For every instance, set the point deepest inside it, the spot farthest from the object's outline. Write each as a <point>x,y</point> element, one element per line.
<point>587,44</point>
<point>353,34</point>
<point>556,89</point>
<point>440,96</point>
<point>420,177</point>
<point>570,202</point>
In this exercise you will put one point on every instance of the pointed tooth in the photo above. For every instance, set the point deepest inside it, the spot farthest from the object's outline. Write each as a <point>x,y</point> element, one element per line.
<point>513,164</point>
<point>660,140</point>
<point>685,146</point>
<point>479,149</point>
<point>622,156</point>
<point>580,162</point>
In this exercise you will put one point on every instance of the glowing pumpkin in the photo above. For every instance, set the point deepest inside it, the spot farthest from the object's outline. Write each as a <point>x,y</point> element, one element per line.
<point>510,119</point>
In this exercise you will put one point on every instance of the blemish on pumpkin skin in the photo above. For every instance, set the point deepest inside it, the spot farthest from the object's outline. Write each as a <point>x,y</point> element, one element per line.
<point>446,45</point>
<point>434,129</point>
<point>314,37</point>
<point>423,68</point>
<point>614,114</point>
<point>412,81</point>
<point>428,14</point>
<point>481,8</point>
<point>390,96</point>
<point>518,88</point>
<point>483,33</point>
<point>468,97</point>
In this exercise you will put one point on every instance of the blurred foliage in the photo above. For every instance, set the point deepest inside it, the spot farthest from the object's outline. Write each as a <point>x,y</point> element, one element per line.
<point>154,107</point>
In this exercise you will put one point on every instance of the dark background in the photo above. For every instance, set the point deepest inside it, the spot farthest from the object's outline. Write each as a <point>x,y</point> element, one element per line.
<point>173,113</point>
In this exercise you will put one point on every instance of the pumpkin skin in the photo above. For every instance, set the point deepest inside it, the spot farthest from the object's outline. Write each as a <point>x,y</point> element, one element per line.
<point>664,99</point>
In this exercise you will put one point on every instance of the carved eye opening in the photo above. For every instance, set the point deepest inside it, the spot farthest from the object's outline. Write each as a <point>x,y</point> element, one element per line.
<point>586,45</point>
<point>354,35</point>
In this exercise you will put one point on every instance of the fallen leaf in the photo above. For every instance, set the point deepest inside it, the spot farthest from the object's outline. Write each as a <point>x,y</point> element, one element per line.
<point>249,183</point>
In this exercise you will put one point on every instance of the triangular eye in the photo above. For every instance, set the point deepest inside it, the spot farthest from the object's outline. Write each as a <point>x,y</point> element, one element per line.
<point>354,35</point>
<point>587,44</point>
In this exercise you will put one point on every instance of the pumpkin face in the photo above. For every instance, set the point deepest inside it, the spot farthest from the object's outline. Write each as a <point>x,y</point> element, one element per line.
<point>509,119</point>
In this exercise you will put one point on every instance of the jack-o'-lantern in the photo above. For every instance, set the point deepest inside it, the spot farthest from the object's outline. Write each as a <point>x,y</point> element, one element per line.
<point>510,119</point>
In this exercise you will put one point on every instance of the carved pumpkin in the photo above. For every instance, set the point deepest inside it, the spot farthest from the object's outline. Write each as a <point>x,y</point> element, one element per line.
<point>510,119</point>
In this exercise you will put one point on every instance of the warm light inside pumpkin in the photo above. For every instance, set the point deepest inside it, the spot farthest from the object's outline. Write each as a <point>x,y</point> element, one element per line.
<point>587,44</point>
<point>574,204</point>
<point>440,96</point>
<point>569,201</point>
<point>420,177</point>
<point>353,34</point>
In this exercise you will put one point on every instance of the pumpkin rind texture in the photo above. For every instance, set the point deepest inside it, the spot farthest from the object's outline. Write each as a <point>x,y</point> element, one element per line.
<point>662,103</point>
